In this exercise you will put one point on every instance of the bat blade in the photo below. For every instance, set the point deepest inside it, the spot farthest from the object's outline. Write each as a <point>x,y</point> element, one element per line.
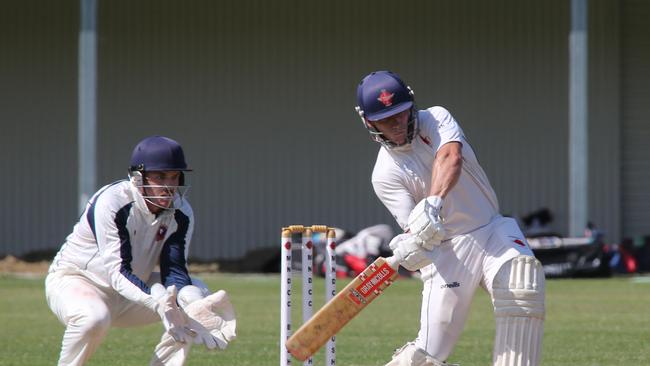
<point>334,315</point>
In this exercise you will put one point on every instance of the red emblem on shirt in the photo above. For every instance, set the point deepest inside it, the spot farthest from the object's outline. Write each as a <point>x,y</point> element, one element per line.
<point>519,242</point>
<point>386,98</point>
<point>425,140</point>
<point>160,235</point>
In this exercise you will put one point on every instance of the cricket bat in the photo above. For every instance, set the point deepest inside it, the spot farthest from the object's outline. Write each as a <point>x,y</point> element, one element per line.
<point>334,315</point>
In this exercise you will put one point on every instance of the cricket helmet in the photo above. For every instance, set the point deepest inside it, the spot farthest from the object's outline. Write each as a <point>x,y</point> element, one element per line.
<point>158,153</point>
<point>382,94</point>
<point>155,154</point>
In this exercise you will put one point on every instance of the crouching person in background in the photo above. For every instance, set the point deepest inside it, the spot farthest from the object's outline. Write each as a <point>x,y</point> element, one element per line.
<point>103,275</point>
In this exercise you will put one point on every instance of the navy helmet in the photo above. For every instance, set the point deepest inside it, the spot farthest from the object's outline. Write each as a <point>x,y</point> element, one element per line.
<point>158,153</point>
<point>382,94</point>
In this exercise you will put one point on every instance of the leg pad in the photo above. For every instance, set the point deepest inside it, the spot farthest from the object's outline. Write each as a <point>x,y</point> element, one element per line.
<point>518,299</point>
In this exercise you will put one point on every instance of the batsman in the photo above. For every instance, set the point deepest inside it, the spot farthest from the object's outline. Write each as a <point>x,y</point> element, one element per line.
<point>428,177</point>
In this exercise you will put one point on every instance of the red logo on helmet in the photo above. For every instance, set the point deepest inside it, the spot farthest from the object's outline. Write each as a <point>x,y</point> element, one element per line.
<point>386,98</point>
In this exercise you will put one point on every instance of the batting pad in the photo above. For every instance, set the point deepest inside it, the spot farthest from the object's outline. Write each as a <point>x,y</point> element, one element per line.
<point>518,298</point>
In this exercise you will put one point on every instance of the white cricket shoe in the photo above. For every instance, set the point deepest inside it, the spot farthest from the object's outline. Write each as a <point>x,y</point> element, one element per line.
<point>410,355</point>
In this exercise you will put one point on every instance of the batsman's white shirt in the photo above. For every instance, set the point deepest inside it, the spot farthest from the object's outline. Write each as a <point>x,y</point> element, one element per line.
<point>117,243</point>
<point>402,177</point>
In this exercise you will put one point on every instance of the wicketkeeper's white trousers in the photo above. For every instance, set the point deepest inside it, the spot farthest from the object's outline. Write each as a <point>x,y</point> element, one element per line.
<point>88,311</point>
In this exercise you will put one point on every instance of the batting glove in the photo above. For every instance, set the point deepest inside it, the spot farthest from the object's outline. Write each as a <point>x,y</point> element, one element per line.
<point>425,222</point>
<point>409,253</point>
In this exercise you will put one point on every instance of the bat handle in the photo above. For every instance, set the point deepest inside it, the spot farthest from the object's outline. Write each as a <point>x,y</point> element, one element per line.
<point>394,261</point>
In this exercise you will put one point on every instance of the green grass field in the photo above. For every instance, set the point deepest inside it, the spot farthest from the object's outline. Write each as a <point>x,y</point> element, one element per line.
<point>589,323</point>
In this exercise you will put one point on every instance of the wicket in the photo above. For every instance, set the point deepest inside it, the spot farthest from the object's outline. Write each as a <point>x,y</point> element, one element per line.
<point>307,249</point>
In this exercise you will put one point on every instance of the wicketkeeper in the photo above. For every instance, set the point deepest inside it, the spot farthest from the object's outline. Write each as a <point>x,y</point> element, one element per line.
<point>103,275</point>
<point>429,178</point>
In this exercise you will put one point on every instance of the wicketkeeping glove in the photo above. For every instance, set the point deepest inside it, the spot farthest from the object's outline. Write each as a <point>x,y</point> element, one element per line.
<point>172,317</point>
<point>425,222</point>
<point>213,320</point>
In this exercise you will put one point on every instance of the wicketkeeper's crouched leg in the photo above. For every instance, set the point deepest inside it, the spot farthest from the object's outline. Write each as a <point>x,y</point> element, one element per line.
<point>168,352</point>
<point>81,307</point>
<point>518,299</point>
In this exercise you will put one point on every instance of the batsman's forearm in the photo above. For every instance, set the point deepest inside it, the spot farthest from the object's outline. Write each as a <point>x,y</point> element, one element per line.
<point>342,308</point>
<point>446,170</point>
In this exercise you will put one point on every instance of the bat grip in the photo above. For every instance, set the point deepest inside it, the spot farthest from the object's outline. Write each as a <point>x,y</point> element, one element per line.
<point>394,261</point>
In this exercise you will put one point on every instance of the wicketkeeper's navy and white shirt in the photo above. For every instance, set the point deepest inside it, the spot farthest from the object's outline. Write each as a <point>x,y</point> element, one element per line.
<point>117,243</point>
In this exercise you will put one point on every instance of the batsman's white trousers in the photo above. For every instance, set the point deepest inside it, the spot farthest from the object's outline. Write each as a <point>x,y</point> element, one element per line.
<point>88,311</point>
<point>464,263</point>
